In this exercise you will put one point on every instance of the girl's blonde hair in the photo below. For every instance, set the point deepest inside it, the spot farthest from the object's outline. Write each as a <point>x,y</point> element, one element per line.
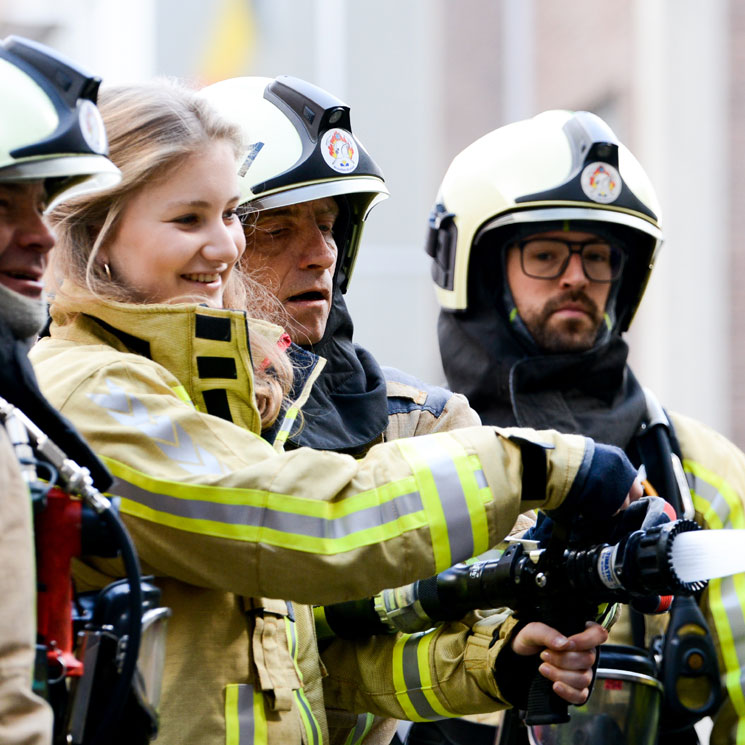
<point>152,128</point>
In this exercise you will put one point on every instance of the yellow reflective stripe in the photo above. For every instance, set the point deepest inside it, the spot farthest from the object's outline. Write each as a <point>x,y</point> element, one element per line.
<point>361,728</point>
<point>323,630</point>
<point>399,683</point>
<point>316,526</point>
<point>720,507</point>
<point>286,428</point>
<point>310,723</point>
<point>245,718</point>
<point>412,679</point>
<point>451,496</point>
<point>180,391</point>
<point>282,435</point>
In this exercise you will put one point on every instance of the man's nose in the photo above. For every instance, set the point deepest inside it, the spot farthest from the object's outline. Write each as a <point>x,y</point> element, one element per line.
<point>32,232</point>
<point>319,249</point>
<point>574,274</point>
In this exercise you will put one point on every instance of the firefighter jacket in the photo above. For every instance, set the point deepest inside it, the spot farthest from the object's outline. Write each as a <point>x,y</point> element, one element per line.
<point>715,472</point>
<point>227,524</point>
<point>24,717</point>
<point>414,408</point>
<point>409,407</point>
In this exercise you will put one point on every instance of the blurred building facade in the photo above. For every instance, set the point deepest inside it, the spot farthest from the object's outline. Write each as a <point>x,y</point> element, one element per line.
<point>424,78</point>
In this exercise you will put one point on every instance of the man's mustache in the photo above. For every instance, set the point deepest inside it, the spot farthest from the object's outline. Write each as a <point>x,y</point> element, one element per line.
<point>576,297</point>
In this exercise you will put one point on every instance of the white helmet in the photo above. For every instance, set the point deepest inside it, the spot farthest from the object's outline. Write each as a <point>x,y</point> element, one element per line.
<point>300,147</point>
<point>559,166</point>
<point>51,128</point>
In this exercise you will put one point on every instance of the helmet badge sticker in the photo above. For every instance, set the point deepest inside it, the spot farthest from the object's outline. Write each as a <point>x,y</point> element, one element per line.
<point>91,126</point>
<point>340,151</point>
<point>601,182</point>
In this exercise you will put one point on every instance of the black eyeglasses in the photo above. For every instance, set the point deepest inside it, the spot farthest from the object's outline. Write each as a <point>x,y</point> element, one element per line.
<point>548,258</point>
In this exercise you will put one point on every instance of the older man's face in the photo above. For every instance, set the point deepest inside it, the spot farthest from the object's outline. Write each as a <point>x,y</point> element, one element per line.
<point>294,251</point>
<point>25,240</point>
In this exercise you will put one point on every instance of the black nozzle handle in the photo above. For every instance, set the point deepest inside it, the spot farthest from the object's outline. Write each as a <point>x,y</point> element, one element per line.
<point>545,706</point>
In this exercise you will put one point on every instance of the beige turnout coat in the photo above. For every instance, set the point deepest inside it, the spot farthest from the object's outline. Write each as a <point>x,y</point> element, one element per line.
<point>241,537</point>
<point>25,719</point>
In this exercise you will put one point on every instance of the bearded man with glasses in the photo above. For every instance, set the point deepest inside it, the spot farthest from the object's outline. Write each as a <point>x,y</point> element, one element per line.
<point>543,237</point>
<point>560,283</point>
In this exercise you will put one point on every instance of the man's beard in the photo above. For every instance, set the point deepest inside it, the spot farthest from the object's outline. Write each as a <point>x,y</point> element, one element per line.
<point>568,335</point>
<point>24,316</point>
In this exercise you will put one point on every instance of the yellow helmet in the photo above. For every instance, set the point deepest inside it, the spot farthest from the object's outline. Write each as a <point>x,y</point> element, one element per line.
<point>51,128</point>
<point>559,166</point>
<point>300,147</point>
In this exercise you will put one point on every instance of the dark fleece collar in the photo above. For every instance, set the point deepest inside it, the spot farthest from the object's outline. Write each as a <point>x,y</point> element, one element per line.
<point>593,393</point>
<point>347,410</point>
<point>18,386</point>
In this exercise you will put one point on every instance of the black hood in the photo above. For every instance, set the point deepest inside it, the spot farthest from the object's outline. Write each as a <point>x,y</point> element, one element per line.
<point>18,386</point>
<point>510,382</point>
<point>347,410</point>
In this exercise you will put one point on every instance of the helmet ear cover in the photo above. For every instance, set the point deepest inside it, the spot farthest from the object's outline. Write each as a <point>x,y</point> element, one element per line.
<point>440,244</point>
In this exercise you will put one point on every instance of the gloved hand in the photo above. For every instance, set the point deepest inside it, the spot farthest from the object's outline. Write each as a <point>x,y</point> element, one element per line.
<point>599,491</point>
<point>644,513</point>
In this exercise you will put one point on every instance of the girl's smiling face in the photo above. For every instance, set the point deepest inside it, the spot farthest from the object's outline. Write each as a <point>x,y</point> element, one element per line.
<point>178,238</point>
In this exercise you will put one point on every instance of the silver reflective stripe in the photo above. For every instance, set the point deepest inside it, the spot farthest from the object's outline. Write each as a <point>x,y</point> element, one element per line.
<point>245,715</point>
<point>413,681</point>
<point>314,729</point>
<point>284,522</point>
<point>711,494</point>
<point>166,434</point>
<point>450,490</point>
<point>302,702</point>
<point>732,607</point>
<point>731,604</point>
<point>290,626</point>
<point>481,479</point>
<point>289,420</point>
<point>364,721</point>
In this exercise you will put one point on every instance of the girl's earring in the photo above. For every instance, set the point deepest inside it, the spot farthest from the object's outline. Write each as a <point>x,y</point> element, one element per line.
<point>107,270</point>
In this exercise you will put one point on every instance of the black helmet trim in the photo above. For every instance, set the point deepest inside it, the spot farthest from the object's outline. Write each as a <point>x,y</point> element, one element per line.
<point>71,174</point>
<point>356,197</point>
<point>321,189</point>
<point>569,212</point>
<point>594,175</point>
<point>72,92</point>
<point>326,123</point>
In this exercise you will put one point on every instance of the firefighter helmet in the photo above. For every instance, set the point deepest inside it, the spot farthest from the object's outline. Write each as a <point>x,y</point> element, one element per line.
<point>51,127</point>
<point>559,167</point>
<point>299,146</point>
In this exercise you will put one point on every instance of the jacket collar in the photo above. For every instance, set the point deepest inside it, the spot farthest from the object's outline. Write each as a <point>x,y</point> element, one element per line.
<point>206,349</point>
